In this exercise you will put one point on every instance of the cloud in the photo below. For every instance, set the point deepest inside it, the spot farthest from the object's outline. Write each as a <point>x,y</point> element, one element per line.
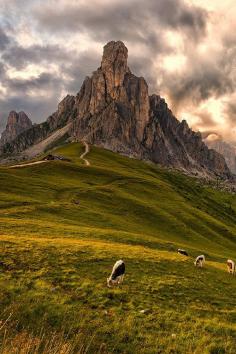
<point>4,40</point>
<point>38,95</point>
<point>199,82</point>
<point>125,20</point>
<point>206,119</point>
<point>44,81</point>
<point>18,56</point>
<point>230,111</point>
<point>2,70</point>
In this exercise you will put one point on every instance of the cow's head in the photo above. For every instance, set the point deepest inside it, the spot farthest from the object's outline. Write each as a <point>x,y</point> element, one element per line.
<point>109,282</point>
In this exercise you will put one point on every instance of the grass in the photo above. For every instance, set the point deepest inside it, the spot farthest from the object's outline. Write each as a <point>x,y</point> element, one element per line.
<point>62,227</point>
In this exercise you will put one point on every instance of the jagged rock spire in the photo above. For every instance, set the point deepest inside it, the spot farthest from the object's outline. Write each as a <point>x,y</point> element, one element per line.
<point>114,63</point>
<point>16,124</point>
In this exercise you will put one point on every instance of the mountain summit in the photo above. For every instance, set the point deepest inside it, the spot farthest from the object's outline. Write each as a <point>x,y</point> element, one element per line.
<point>16,124</point>
<point>114,110</point>
<point>113,105</point>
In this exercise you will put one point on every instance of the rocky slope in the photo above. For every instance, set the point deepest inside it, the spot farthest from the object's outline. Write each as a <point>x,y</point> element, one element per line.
<point>38,132</point>
<point>225,149</point>
<point>16,124</point>
<point>113,109</point>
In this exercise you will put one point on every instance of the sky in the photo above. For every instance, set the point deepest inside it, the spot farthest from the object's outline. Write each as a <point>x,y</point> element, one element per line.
<point>185,49</point>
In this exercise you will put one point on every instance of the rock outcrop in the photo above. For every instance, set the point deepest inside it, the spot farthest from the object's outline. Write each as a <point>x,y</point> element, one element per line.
<point>113,105</point>
<point>114,110</point>
<point>226,150</point>
<point>16,124</point>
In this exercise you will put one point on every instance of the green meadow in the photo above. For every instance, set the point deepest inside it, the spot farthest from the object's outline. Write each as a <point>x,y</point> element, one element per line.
<point>62,227</point>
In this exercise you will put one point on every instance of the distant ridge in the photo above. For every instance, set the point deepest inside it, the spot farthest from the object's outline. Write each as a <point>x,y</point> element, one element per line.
<point>225,149</point>
<point>113,110</point>
<point>17,123</point>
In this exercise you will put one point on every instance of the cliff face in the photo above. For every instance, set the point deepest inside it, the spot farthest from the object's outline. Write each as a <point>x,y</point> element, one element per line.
<point>113,105</point>
<point>63,115</point>
<point>114,110</point>
<point>16,124</point>
<point>173,143</point>
<point>226,150</point>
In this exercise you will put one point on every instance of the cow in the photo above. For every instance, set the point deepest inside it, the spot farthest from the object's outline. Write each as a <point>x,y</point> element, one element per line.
<point>183,252</point>
<point>199,261</point>
<point>231,266</point>
<point>117,274</point>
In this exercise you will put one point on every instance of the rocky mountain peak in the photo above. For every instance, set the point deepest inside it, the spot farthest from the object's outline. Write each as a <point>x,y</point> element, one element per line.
<point>114,64</point>
<point>66,104</point>
<point>18,118</point>
<point>115,56</point>
<point>16,124</point>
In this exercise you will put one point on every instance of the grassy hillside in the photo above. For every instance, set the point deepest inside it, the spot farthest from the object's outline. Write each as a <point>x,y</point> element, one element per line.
<point>62,227</point>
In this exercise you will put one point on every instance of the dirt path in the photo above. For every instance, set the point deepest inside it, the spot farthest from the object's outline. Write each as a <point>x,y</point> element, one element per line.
<point>86,151</point>
<point>28,164</point>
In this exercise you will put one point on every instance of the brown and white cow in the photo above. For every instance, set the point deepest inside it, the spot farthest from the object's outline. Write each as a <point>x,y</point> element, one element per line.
<point>231,266</point>
<point>183,252</point>
<point>117,274</point>
<point>199,261</point>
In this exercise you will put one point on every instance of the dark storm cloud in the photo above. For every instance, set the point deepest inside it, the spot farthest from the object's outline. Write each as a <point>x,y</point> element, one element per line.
<point>130,21</point>
<point>4,40</point>
<point>137,23</point>
<point>18,56</point>
<point>204,77</point>
<point>2,71</point>
<point>44,81</point>
<point>198,85</point>
<point>73,69</point>
<point>78,68</point>
<point>37,96</point>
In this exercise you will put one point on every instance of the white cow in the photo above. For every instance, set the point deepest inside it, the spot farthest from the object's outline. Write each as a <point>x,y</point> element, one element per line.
<point>199,261</point>
<point>183,252</point>
<point>117,274</point>
<point>231,266</point>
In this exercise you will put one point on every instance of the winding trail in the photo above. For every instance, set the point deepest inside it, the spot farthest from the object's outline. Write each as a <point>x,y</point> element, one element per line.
<point>82,157</point>
<point>28,164</point>
<point>86,145</point>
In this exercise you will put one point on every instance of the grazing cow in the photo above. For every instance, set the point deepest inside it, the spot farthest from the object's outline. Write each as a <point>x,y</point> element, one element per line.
<point>182,252</point>
<point>231,266</point>
<point>199,261</point>
<point>117,274</point>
